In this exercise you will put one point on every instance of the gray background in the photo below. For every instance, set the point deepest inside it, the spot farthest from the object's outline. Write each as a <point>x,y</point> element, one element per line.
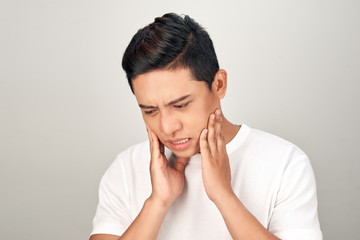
<point>66,109</point>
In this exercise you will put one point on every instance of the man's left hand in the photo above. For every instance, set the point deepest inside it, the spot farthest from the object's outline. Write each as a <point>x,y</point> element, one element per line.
<point>214,160</point>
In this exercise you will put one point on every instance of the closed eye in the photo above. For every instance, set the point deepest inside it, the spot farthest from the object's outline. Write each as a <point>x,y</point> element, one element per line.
<point>181,105</point>
<point>148,112</point>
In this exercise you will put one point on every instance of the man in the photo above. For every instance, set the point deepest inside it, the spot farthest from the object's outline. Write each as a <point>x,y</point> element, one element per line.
<point>208,178</point>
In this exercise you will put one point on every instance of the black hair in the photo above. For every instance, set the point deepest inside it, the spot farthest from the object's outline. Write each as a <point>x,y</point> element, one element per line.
<point>171,42</point>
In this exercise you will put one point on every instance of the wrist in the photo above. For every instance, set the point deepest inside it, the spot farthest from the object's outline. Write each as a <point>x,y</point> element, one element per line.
<point>158,204</point>
<point>225,198</point>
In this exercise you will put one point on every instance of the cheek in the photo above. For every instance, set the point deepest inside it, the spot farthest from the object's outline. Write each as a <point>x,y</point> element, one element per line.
<point>203,112</point>
<point>151,123</point>
<point>199,119</point>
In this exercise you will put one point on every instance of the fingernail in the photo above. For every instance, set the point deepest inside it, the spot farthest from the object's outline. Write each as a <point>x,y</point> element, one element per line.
<point>218,111</point>
<point>212,117</point>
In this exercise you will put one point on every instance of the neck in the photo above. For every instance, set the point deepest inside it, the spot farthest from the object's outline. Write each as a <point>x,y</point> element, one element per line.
<point>229,129</point>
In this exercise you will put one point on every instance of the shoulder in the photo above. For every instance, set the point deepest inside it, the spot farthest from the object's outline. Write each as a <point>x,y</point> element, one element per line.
<point>271,144</point>
<point>134,158</point>
<point>267,151</point>
<point>137,151</point>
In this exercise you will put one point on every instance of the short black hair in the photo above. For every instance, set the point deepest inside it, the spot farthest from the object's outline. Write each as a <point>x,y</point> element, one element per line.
<point>171,42</point>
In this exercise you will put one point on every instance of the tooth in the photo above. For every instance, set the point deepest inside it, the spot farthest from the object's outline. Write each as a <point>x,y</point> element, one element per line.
<point>182,141</point>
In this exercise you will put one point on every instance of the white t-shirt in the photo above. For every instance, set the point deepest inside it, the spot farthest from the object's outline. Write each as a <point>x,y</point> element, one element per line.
<point>272,178</point>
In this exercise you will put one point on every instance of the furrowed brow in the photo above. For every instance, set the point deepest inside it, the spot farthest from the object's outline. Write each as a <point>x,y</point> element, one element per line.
<point>146,106</point>
<point>178,100</point>
<point>168,104</point>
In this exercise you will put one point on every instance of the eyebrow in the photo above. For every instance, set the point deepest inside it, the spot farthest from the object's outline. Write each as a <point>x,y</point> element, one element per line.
<point>168,104</point>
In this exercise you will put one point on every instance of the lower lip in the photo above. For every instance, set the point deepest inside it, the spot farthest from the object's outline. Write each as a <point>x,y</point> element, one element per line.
<point>180,146</point>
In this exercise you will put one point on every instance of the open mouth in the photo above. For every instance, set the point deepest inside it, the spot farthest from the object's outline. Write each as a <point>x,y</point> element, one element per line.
<point>180,144</point>
<point>182,141</point>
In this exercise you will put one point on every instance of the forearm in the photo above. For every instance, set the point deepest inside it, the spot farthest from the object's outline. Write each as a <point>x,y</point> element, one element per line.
<point>147,224</point>
<point>239,221</point>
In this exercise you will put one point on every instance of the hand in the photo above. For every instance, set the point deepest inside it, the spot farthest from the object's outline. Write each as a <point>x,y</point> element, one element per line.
<point>167,182</point>
<point>214,159</point>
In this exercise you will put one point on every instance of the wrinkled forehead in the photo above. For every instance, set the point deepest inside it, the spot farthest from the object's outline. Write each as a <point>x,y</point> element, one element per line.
<point>165,85</point>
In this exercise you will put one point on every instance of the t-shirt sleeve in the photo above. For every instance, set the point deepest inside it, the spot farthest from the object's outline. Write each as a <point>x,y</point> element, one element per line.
<point>113,215</point>
<point>295,214</point>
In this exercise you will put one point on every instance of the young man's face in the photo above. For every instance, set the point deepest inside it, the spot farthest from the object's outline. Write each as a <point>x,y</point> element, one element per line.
<point>176,107</point>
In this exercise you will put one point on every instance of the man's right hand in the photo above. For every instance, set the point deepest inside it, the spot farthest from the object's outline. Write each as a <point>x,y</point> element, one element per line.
<point>167,182</point>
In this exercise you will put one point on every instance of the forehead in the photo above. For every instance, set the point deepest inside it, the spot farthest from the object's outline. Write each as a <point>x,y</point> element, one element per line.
<point>162,85</point>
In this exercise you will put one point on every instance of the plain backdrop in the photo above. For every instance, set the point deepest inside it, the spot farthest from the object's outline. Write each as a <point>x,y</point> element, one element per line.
<point>66,110</point>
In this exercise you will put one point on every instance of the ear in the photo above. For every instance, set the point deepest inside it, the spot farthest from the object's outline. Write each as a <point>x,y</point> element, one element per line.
<point>220,83</point>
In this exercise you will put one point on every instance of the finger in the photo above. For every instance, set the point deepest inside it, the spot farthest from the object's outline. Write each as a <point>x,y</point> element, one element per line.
<point>181,163</point>
<point>211,138</point>
<point>161,146</point>
<point>154,139</point>
<point>204,147</point>
<point>218,120</point>
<point>218,130</point>
<point>148,130</point>
<point>155,144</point>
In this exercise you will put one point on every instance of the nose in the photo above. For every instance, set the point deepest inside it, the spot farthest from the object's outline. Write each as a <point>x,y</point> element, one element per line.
<point>169,123</point>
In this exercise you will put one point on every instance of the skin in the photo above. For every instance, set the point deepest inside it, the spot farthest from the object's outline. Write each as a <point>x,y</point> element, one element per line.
<point>175,108</point>
<point>158,92</point>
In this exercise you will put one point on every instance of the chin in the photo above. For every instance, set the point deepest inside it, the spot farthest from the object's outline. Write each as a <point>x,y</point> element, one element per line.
<point>187,153</point>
